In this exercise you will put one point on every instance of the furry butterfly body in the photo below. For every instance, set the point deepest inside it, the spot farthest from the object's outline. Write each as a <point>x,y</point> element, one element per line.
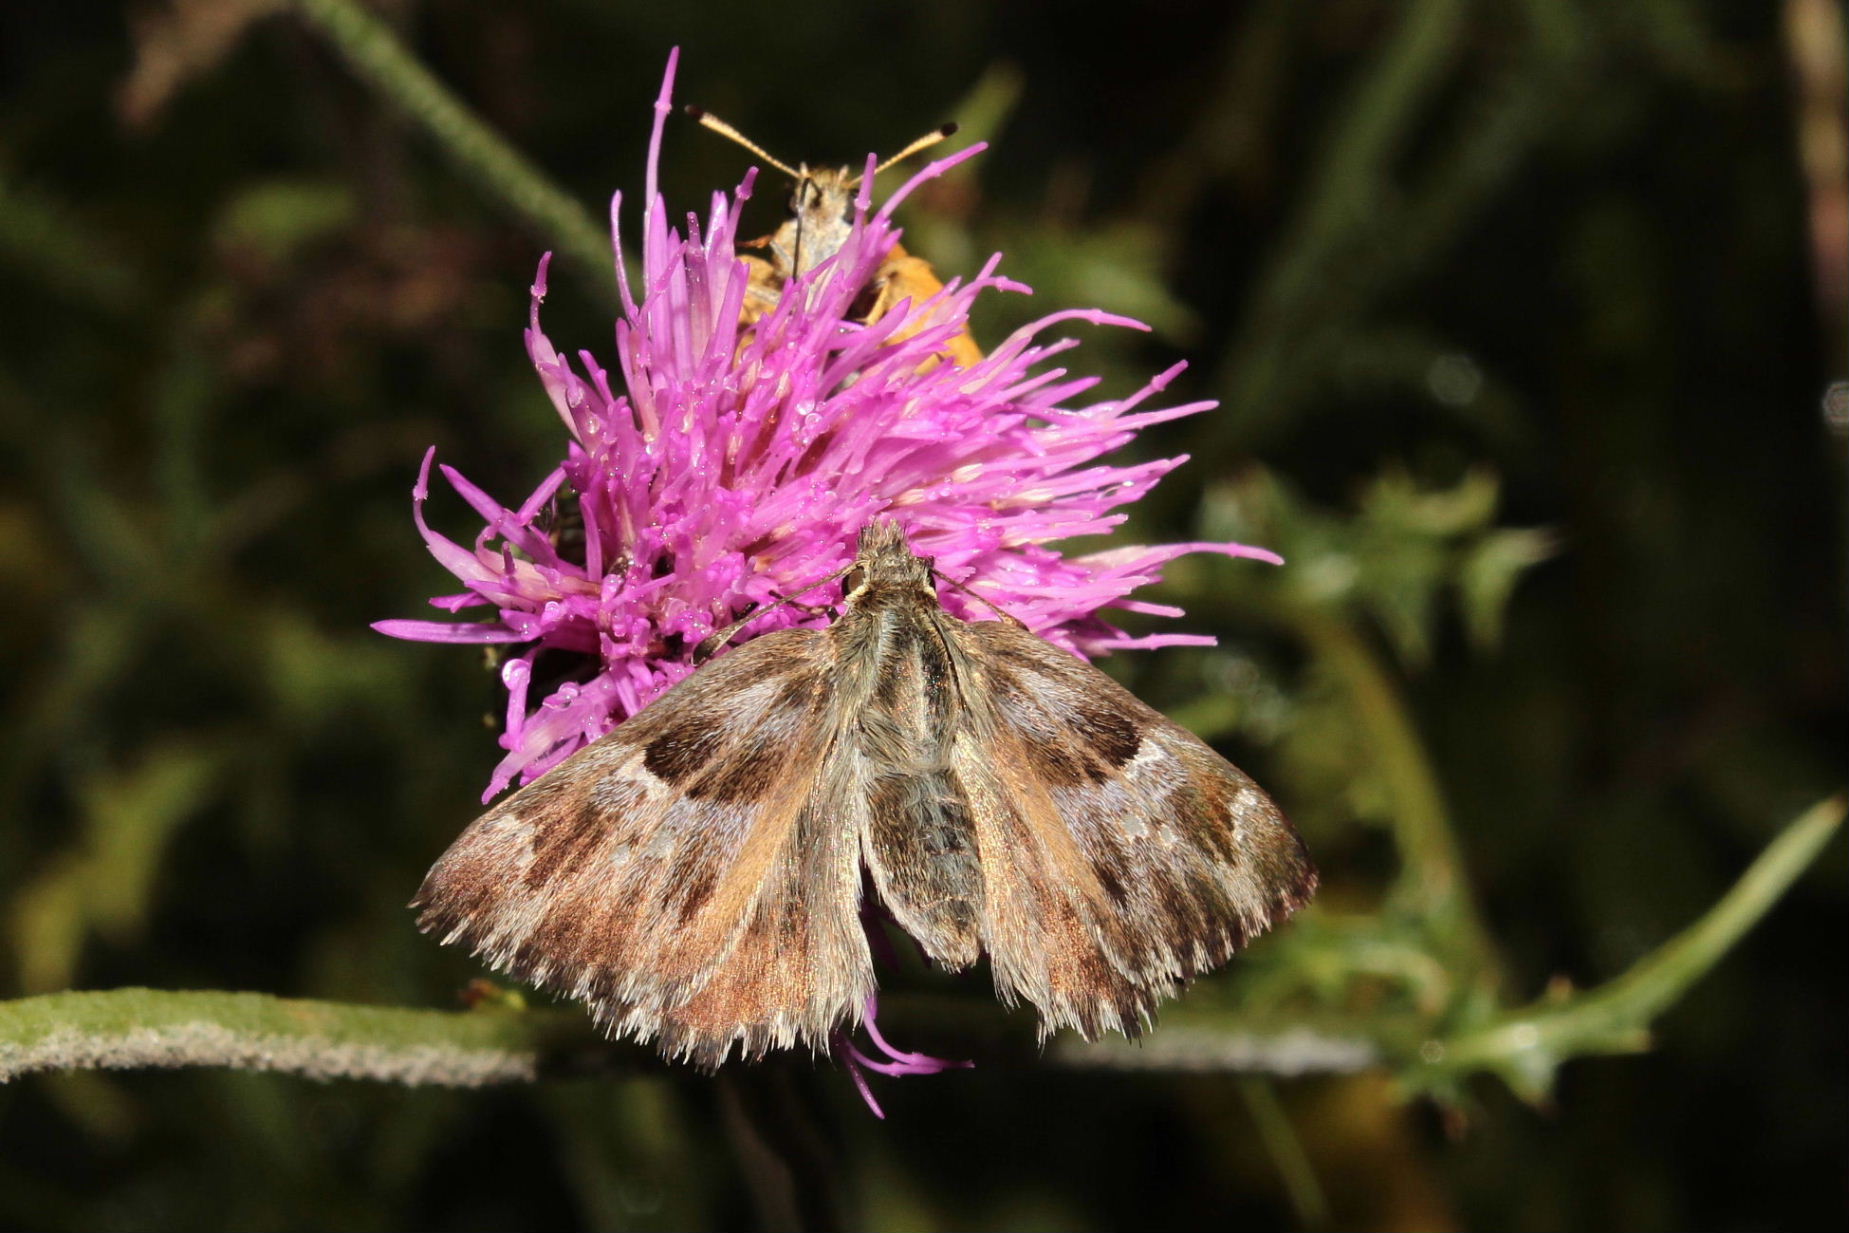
<point>696,876</point>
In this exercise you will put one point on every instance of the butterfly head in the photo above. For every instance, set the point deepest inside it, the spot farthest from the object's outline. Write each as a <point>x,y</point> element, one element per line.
<point>884,561</point>
<point>822,205</point>
<point>821,218</point>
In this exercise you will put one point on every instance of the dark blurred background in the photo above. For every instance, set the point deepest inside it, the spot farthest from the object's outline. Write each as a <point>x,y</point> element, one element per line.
<point>1523,317</point>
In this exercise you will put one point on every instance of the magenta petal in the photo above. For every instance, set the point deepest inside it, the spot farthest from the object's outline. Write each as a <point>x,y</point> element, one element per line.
<point>903,1062</point>
<point>854,1059</point>
<point>893,1063</point>
<point>447,631</point>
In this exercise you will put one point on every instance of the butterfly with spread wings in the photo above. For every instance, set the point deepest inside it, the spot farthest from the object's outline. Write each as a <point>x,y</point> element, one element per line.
<point>695,877</point>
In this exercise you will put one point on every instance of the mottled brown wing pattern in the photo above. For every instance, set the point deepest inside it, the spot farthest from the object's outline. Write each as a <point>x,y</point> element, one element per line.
<point>1120,856</point>
<point>693,876</point>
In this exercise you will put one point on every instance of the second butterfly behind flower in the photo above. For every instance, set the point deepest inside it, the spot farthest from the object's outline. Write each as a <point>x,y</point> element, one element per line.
<point>696,876</point>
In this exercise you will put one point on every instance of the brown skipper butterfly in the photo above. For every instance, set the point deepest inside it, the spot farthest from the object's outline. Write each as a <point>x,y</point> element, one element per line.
<point>696,876</point>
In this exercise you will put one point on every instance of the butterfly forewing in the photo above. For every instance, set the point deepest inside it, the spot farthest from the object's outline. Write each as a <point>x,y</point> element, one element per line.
<point>690,876</point>
<point>1121,856</point>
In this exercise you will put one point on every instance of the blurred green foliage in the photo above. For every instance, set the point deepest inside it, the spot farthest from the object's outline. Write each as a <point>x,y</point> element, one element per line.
<point>1520,340</point>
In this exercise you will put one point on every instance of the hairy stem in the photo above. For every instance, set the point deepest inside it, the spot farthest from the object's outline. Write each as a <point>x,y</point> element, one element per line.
<point>121,1029</point>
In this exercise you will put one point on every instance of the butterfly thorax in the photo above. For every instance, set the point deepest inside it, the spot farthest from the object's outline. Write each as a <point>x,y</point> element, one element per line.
<point>898,667</point>
<point>821,219</point>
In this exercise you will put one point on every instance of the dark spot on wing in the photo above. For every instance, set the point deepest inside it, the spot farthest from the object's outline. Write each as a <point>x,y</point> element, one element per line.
<point>1112,733</point>
<point>1080,727</point>
<point>747,771</point>
<point>696,891</point>
<point>678,754</point>
<point>762,754</point>
<point>800,692</point>
<point>1113,885</point>
<point>1208,821</point>
<point>1056,765</point>
<point>565,830</point>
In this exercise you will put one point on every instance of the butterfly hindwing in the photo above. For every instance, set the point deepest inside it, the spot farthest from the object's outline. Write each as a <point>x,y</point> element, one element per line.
<point>920,841</point>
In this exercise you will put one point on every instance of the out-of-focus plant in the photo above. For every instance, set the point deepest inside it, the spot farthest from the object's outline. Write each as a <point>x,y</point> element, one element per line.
<point>149,561</point>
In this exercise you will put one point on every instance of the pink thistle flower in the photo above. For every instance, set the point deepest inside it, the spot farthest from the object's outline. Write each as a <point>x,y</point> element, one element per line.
<point>738,466</point>
<point>732,466</point>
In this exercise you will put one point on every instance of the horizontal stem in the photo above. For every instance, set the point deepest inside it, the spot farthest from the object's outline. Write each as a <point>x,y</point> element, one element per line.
<point>123,1029</point>
<point>120,1029</point>
<point>138,1028</point>
<point>1202,1050</point>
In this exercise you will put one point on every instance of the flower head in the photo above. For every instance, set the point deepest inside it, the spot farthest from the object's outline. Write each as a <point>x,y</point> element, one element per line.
<point>729,466</point>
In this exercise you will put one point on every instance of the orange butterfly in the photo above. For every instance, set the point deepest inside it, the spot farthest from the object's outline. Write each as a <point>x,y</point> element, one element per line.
<point>821,217</point>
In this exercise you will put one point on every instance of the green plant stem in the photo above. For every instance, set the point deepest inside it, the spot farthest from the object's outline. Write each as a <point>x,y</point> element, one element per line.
<point>1432,884</point>
<point>1527,1045</point>
<point>121,1029</point>
<point>140,1028</point>
<point>1286,1147</point>
<point>374,53</point>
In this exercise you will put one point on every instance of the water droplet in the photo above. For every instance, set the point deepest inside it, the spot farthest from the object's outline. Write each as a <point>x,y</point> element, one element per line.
<point>1454,380</point>
<point>1836,408</point>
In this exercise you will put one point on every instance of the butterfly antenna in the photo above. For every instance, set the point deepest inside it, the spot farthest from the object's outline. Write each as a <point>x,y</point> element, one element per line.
<point>709,120</point>
<point>1003,613</point>
<point>923,143</point>
<point>709,645</point>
